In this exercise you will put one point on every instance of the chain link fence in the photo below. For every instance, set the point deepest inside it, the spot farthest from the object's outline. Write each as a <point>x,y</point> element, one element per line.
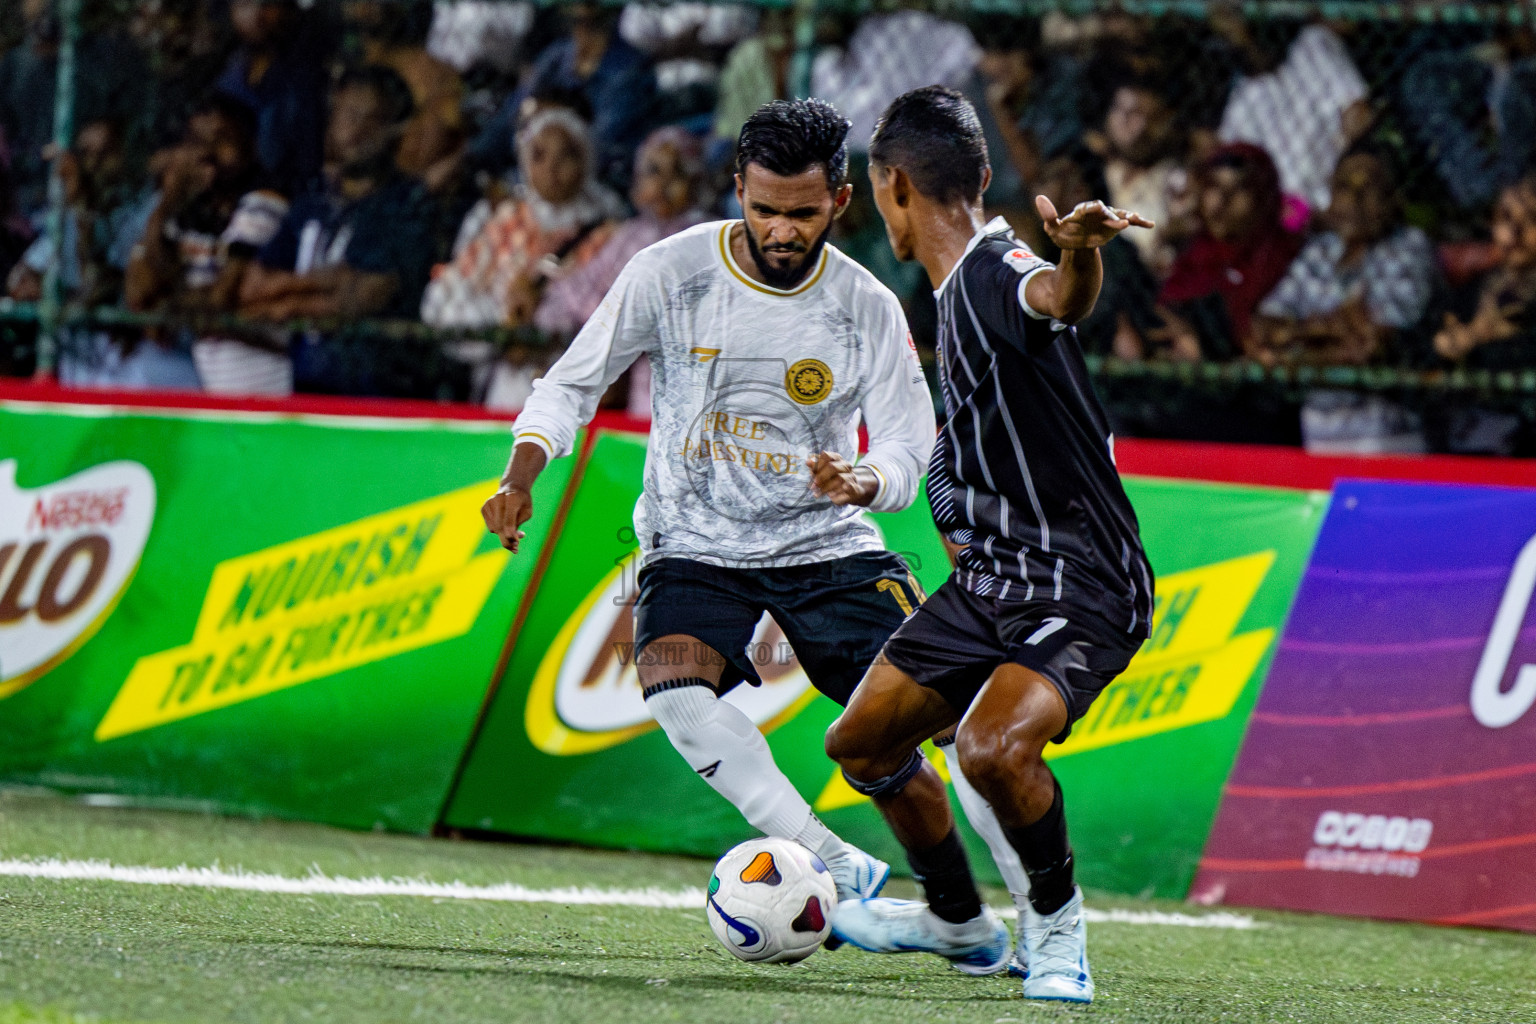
<point>426,199</point>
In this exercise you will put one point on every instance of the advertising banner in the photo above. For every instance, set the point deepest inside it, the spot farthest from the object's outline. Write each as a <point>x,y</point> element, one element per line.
<point>1390,767</point>
<point>250,613</point>
<point>1144,768</point>
<point>568,751</point>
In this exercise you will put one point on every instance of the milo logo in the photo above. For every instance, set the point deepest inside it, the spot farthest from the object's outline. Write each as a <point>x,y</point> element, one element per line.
<point>67,552</point>
<point>586,691</point>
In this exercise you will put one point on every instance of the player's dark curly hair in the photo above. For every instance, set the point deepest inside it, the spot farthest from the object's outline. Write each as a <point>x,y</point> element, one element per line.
<point>933,134</point>
<point>791,136</point>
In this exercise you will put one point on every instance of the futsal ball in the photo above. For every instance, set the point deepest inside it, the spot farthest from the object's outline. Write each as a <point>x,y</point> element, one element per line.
<point>770,901</point>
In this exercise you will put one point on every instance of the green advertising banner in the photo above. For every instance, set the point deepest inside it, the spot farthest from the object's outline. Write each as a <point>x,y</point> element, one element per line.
<point>250,613</point>
<point>1145,767</point>
<point>567,750</point>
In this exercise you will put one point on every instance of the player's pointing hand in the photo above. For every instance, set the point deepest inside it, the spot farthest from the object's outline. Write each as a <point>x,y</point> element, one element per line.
<point>1089,225</point>
<point>505,511</point>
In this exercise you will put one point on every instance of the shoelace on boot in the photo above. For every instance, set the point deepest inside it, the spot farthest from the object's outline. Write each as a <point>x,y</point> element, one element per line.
<point>1056,944</point>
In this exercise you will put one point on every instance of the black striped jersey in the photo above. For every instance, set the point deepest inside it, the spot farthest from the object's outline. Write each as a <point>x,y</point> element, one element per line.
<point>1023,477</point>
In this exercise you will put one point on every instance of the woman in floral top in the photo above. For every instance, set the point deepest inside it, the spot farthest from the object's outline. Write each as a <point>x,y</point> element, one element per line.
<point>504,251</point>
<point>669,174</point>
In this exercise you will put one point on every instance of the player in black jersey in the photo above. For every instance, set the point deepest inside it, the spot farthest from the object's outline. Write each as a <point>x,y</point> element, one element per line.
<point>1051,594</point>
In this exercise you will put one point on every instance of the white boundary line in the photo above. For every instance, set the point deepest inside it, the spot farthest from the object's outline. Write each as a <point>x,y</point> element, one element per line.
<point>319,884</point>
<point>1219,919</point>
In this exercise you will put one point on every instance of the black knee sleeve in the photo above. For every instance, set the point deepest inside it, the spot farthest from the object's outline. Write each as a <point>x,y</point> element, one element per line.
<point>893,783</point>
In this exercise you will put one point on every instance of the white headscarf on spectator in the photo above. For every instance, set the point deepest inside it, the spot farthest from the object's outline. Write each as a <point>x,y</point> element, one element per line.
<point>595,202</point>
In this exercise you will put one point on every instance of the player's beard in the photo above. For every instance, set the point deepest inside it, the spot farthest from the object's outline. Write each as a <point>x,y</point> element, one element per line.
<point>785,279</point>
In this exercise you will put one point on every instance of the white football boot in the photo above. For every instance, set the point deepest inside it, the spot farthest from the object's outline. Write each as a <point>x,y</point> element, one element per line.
<point>1055,949</point>
<point>858,875</point>
<point>1018,964</point>
<point>978,946</point>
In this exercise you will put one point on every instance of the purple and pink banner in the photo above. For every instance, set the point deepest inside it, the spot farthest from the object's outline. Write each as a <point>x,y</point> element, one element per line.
<point>1389,769</point>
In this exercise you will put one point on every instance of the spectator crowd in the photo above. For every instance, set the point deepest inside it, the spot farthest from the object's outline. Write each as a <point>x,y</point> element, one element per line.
<point>275,184</point>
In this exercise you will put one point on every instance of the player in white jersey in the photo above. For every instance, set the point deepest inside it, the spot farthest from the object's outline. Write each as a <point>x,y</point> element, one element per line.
<point>768,348</point>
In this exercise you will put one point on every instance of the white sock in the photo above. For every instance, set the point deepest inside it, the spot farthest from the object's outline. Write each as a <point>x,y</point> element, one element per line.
<point>821,841</point>
<point>723,746</point>
<point>984,820</point>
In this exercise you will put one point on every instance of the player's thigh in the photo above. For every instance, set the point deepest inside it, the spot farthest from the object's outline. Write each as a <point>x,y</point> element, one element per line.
<point>694,621</point>
<point>1071,649</point>
<point>1002,739</point>
<point>1014,716</point>
<point>888,716</point>
<point>841,614</point>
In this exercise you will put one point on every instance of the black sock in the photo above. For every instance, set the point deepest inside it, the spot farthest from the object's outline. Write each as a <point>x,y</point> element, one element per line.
<point>1047,857</point>
<point>945,876</point>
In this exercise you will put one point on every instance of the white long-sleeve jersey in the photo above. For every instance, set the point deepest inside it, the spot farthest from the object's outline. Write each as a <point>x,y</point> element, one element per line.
<point>747,382</point>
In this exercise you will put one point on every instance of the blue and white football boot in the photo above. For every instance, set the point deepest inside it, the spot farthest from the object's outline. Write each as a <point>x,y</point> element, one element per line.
<point>1054,948</point>
<point>858,875</point>
<point>976,947</point>
<point>1018,964</point>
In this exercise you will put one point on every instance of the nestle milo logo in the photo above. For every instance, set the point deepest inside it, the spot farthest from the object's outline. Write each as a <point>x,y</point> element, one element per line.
<point>67,552</point>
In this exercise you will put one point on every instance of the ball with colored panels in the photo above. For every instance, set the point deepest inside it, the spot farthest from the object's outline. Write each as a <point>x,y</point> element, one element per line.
<point>770,901</point>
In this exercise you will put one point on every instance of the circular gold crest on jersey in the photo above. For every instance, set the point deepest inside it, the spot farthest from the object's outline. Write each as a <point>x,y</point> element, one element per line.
<point>808,381</point>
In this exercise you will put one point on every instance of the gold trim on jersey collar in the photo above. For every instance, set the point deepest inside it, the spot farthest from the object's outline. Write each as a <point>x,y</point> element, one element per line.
<point>730,264</point>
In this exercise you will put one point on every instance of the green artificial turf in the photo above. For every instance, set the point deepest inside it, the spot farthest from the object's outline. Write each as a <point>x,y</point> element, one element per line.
<point>111,952</point>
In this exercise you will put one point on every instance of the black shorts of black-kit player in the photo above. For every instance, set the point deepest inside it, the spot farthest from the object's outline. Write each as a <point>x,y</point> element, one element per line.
<point>956,640</point>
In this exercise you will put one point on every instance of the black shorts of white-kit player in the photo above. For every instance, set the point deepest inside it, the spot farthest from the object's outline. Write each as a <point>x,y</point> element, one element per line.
<point>1023,481</point>
<point>836,614</point>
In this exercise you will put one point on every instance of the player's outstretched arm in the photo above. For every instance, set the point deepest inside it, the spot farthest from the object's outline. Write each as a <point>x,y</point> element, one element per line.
<point>512,505</point>
<point>1068,292</point>
<point>622,329</point>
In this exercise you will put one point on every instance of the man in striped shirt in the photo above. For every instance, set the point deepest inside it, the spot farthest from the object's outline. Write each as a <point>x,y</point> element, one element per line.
<point>1051,593</point>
